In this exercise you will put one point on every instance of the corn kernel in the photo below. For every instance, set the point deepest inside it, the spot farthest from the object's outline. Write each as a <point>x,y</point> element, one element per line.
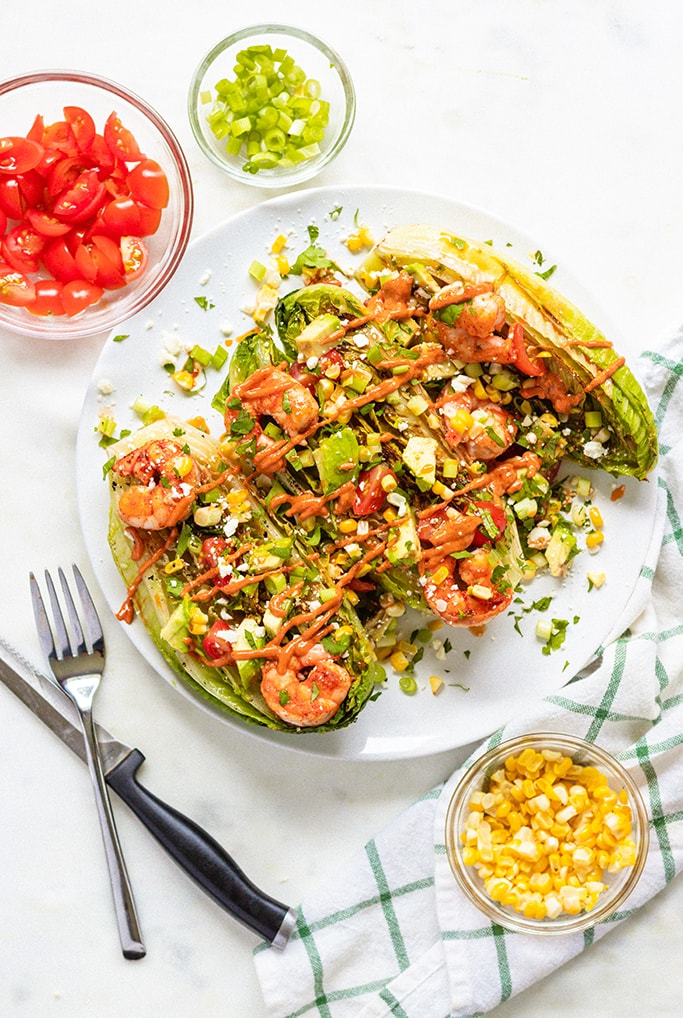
<point>440,575</point>
<point>348,526</point>
<point>399,661</point>
<point>595,517</point>
<point>435,683</point>
<point>594,539</point>
<point>278,244</point>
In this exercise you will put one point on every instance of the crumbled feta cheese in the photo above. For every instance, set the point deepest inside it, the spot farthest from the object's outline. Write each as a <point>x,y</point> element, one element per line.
<point>594,450</point>
<point>205,278</point>
<point>105,387</point>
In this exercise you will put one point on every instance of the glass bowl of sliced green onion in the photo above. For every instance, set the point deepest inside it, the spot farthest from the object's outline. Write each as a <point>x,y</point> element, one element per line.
<point>271,105</point>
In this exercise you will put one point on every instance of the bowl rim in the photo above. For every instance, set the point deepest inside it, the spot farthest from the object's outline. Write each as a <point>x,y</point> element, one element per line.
<point>470,883</point>
<point>78,327</point>
<point>301,172</point>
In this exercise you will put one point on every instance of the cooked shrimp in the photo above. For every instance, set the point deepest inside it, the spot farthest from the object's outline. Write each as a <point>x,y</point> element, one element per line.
<point>475,333</point>
<point>167,482</point>
<point>485,429</point>
<point>309,691</point>
<point>463,593</point>
<point>274,393</point>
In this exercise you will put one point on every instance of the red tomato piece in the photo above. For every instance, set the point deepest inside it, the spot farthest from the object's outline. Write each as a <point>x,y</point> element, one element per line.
<point>36,130</point>
<point>148,184</point>
<point>120,217</point>
<point>60,136</point>
<point>215,643</point>
<point>493,526</point>
<point>60,262</point>
<point>32,187</point>
<point>86,266</point>
<point>46,224</point>
<point>82,126</point>
<point>11,201</point>
<point>106,256</point>
<point>21,248</point>
<point>149,220</point>
<point>63,174</point>
<point>370,493</point>
<point>121,141</point>
<point>16,289</point>
<point>525,363</point>
<point>82,200</point>
<point>19,155</point>
<point>48,299</point>
<point>3,221</point>
<point>100,154</point>
<point>212,550</point>
<point>79,294</point>
<point>330,360</point>
<point>135,257</point>
<point>306,378</point>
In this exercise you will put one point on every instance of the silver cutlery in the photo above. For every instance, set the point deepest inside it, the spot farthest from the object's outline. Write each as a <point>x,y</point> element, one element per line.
<point>76,658</point>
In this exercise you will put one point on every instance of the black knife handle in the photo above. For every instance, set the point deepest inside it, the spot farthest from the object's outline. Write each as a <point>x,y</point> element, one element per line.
<point>202,857</point>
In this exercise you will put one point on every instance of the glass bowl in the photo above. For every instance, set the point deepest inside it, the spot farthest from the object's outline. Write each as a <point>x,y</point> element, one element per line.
<point>47,93</point>
<point>493,901</point>
<point>322,67</point>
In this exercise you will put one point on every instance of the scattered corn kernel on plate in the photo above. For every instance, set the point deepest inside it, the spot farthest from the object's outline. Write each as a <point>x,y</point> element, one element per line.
<point>446,686</point>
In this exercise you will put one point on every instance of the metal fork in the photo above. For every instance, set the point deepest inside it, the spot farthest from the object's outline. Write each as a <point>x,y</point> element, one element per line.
<point>76,658</point>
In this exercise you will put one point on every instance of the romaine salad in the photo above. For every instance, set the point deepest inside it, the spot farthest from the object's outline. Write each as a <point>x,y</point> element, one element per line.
<point>389,442</point>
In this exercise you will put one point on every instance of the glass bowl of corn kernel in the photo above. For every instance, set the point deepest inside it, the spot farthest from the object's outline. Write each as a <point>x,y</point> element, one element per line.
<point>547,834</point>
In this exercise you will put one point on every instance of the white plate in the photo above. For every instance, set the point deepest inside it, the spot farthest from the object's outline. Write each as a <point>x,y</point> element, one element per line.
<point>487,678</point>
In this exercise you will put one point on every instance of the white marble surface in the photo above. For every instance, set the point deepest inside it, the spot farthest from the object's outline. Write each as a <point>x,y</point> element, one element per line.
<point>563,118</point>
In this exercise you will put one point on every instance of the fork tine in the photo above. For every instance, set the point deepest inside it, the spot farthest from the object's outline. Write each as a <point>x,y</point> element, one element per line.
<point>76,627</point>
<point>42,622</point>
<point>92,619</point>
<point>63,645</point>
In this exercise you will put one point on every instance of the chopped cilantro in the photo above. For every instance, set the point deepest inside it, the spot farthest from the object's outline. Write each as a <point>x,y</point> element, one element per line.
<point>204,303</point>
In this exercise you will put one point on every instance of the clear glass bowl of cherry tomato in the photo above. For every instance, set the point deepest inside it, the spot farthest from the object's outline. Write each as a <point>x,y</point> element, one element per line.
<point>96,204</point>
<point>271,105</point>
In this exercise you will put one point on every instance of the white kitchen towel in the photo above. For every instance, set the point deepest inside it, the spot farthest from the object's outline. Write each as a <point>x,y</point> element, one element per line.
<point>394,935</point>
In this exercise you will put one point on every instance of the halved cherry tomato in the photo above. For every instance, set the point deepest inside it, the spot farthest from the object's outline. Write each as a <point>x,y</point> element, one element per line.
<point>45,224</point>
<point>32,187</point>
<point>15,288</point>
<point>370,494</point>
<point>148,184</point>
<point>21,248</point>
<point>135,257</point>
<point>19,155</point>
<point>63,174</point>
<point>82,126</point>
<point>106,255</point>
<point>81,200</point>
<point>11,201</point>
<point>531,367</point>
<point>36,129</point>
<point>3,221</point>
<point>149,220</point>
<point>60,262</point>
<point>60,136</point>
<point>48,299</point>
<point>215,643</point>
<point>306,378</point>
<point>120,140</point>
<point>489,531</point>
<point>330,359</point>
<point>86,267</point>
<point>212,550</point>
<point>78,295</point>
<point>120,217</point>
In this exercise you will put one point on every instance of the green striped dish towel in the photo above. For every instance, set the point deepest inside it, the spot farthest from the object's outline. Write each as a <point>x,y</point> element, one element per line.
<point>394,935</point>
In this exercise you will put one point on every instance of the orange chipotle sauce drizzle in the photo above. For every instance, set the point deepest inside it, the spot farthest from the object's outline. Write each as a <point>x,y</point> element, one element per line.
<point>127,610</point>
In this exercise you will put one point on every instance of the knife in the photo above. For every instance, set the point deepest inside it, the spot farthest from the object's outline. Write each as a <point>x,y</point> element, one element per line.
<point>189,845</point>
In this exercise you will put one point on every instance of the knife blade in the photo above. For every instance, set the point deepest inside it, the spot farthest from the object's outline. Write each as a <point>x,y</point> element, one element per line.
<point>202,858</point>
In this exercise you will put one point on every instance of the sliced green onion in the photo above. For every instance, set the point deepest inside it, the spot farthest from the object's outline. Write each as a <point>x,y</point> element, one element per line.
<point>270,111</point>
